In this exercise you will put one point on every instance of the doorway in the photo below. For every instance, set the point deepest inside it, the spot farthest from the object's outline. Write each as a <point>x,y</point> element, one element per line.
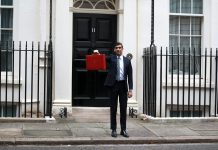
<point>91,31</point>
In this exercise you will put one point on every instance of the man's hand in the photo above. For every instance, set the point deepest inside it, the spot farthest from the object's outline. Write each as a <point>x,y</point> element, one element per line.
<point>129,93</point>
<point>96,52</point>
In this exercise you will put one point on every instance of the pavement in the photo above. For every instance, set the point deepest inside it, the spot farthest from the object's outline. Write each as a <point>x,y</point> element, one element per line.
<point>68,131</point>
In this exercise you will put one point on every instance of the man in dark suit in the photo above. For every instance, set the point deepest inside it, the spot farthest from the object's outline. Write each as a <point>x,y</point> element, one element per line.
<point>119,80</point>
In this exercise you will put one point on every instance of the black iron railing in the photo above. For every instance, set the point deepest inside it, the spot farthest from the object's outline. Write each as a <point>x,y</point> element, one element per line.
<point>180,82</point>
<point>26,79</point>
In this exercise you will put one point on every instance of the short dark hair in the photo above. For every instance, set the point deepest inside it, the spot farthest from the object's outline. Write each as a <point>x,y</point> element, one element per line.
<point>118,43</point>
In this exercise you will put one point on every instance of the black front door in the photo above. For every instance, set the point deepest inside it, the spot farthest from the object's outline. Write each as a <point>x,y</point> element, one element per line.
<point>91,31</point>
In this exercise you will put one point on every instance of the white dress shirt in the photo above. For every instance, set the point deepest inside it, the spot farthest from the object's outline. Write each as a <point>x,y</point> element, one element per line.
<point>121,67</point>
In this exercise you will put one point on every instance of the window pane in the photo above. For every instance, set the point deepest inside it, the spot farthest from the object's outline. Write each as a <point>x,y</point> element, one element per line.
<point>173,50</point>
<point>9,111</point>
<point>6,41</point>
<point>6,2</point>
<point>109,5</point>
<point>86,4</point>
<point>187,113</point>
<point>173,60</point>
<point>174,113</point>
<point>174,25</point>
<point>3,61</point>
<point>196,44</point>
<point>6,18</point>
<point>195,63</point>
<point>77,4</point>
<point>6,36</point>
<point>184,59</point>
<point>195,50</point>
<point>174,6</point>
<point>172,65</point>
<point>185,43</point>
<point>174,42</point>
<point>186,6</point>
<point>101,5</point>
<point>197,6</point>
<point>185,25</point>
<point>197,114</point>
<point>184,63</point>
<point>196,26</point>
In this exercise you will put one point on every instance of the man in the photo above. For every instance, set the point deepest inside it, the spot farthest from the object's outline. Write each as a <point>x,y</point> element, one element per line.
<point>120,72</point>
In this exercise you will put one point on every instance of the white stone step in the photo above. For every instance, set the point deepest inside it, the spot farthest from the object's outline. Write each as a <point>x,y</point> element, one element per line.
<point>90,114</point>
<point>90,111</point>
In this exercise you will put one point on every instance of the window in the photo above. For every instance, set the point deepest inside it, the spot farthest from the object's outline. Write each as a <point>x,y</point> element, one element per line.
<point>95,4</point>
<point>186,6</point>
<point>196,113</point>
<point>11,109</point>
<point>184,35</point>
<point>6,33</point>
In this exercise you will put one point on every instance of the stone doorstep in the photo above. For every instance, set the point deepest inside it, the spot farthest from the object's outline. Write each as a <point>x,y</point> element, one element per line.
<point>90,110</point>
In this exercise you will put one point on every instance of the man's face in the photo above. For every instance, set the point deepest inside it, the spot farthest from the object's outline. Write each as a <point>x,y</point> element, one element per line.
<point>118,50</point>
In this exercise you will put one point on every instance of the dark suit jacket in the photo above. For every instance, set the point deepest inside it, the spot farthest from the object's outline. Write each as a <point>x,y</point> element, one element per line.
<point>111,76</point>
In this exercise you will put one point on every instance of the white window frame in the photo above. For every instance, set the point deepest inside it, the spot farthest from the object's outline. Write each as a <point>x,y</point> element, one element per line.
<point>175,76</point>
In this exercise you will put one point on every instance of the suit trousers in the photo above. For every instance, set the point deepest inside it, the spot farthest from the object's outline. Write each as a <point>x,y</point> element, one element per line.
<point>118,90</point>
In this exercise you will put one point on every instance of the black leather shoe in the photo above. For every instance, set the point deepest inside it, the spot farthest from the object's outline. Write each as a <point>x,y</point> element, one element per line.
<point>114,133</point>
<point>124,133</point>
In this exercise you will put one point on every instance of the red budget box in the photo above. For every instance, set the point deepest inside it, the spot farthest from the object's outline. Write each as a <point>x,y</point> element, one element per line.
<point>96,62</point>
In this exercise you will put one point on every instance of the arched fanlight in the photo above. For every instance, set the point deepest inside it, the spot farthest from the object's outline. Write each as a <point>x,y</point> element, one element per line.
<point>95,4</point>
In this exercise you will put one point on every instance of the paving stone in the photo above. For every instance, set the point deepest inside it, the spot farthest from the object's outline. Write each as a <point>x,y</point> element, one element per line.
<point>48,133</point>
<point>140,133</point>
<point>207,127</point>
<point>89,132</point>
<point>83,125</point>
<point>208,133</point>
<point>134,133</point>
<point>129,125</point>
<point>11,132</point>
<point>132,125</point>
<point>11,125</point>
<point>9,148</point>
<point>45,126</point>
<point>164,130</point>
<point>107,125</point>
<point>93,119</point>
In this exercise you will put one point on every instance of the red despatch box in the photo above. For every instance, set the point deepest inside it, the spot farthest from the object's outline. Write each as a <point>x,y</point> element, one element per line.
<point>96,62</point>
